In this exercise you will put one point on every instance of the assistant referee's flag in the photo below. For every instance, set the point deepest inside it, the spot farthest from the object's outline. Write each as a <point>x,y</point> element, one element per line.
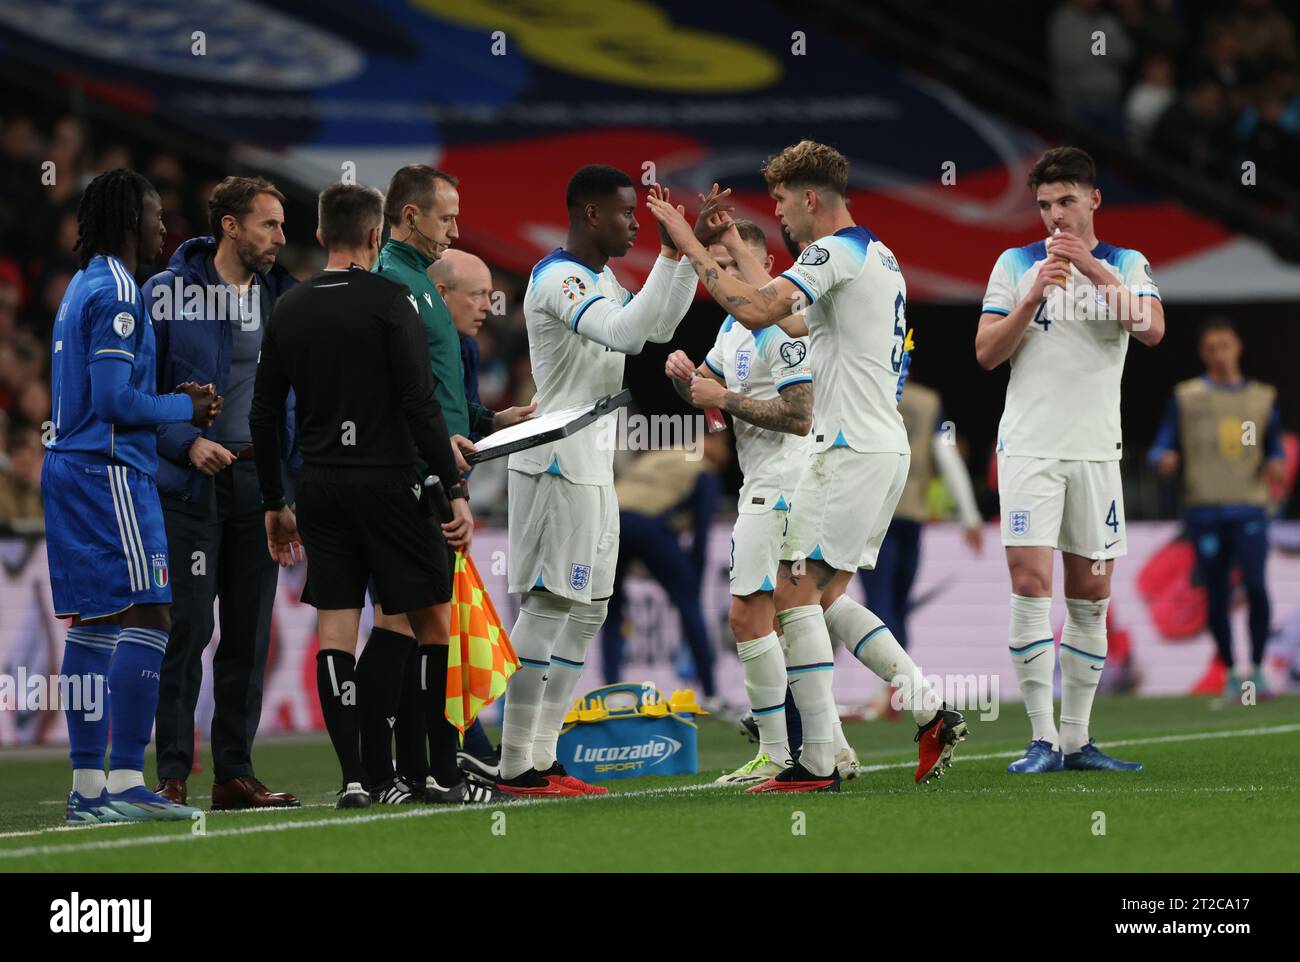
<point>480,658</point>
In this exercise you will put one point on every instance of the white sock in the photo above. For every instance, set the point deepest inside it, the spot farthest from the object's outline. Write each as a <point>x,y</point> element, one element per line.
<point>810,669</point>
<point>1083,655</point>
<point>88,782</point>
<point>119,780</point>
<point>765,684</point>
<point>872,643</point>
<point>838,741</point>
<point>541,620</point>
<point>567,658</point>
<point>1031,653</point>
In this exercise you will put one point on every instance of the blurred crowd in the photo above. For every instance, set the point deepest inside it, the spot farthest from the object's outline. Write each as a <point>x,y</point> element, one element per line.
<point>45,167</point>
<point>1210,86</point>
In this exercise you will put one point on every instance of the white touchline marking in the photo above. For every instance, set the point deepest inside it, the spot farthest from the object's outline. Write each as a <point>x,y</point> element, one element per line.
<point>639,793</point>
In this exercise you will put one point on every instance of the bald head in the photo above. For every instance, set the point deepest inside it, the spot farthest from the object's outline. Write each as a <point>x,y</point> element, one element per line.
<point>465,283</point>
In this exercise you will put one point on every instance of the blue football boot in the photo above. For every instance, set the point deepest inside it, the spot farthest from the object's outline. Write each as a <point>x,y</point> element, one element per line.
<point>1039,757</point>
<point>138,804</point>
<point>1092,759</point>
<point>86,811</point>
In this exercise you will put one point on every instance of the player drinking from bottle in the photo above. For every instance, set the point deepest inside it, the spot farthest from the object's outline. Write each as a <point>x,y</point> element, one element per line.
<point>1061,311</point>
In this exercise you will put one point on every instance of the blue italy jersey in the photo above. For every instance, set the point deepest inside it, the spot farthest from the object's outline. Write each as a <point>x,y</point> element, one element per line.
<point>101,318</point>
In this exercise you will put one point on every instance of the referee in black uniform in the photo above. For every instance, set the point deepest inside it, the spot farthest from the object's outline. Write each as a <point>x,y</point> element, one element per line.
<point>351,346</point>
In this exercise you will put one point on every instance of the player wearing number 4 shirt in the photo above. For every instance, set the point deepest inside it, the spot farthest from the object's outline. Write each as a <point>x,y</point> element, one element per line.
<point>1062,311</point>
<point>855,300</point>
<point>563,514</point>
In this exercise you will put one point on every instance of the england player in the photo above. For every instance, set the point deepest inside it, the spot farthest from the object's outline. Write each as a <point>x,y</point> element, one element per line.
<point>765,380</point>
<point>855,315</point>
<point>104,531</point>
<point>563,513</point>
<point>1062,311</point>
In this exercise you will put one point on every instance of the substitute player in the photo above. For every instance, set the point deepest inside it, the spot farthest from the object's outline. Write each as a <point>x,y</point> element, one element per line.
<point>563,513</point>
<point>1061,311</point>
<point>764,379</point>
<point>855,301</point>
<point>104,531</point>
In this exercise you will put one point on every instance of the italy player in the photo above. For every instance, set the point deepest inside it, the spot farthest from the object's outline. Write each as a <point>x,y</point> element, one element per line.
<point>854,299</point>
<point>563,514</point>
<point>1062,311</point>
<point>104,530</point>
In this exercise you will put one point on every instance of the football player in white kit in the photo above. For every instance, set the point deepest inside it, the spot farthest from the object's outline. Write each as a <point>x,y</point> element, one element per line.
<point>764,379</point>
<point>563,516</point>
<point>1062,311</point>
<point>850,288</point>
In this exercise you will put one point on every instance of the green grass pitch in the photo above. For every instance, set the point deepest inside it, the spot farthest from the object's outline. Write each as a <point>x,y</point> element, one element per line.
<point>1221,793</point>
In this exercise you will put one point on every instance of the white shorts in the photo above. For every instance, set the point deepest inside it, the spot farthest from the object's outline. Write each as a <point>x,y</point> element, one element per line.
<point>1073,506</point>
<point>842,507</point>
<point>563,536</point>
<point>756,550</point>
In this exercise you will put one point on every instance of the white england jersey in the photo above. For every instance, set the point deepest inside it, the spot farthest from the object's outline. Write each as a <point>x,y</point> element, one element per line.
<point>857,328</point>
<point>759,365</point>
<point>579,326</point>
<point>1063,396</point>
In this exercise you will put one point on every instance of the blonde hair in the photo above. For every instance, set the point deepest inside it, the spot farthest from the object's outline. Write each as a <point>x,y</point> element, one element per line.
<point>808,164</point>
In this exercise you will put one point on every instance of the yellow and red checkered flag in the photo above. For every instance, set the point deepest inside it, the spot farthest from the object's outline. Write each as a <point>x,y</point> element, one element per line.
<point>480,657</point>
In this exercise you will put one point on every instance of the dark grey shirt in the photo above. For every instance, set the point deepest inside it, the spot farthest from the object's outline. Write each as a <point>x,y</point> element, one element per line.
<point>231,428</point>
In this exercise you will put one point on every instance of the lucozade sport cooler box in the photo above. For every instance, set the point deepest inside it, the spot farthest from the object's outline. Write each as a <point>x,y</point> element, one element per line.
<point>626,731</point>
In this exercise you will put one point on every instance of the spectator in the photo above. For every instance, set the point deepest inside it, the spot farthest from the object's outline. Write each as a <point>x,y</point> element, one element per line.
<point>20,484</point>
<point>1150,97</point>
<point>1194,130</point>
<point>11,297</point>
<point>1089,85</point>
<point>1261,33</point>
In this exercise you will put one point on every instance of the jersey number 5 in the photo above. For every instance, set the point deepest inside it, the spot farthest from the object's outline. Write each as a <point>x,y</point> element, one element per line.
<point>898,356</point>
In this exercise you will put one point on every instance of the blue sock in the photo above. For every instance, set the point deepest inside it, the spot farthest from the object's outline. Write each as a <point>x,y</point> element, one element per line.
<point>476,741</point>
<point>133,681</point>
<point>87,655</point>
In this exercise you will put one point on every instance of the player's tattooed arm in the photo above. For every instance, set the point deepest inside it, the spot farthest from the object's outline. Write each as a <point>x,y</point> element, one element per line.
<point>754,307</point>
<point>791,413</point>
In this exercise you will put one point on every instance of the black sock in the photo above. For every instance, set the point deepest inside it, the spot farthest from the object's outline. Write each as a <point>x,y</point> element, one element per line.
<point>443,737</point>
<point>336,684</point>
<point>793,722</point>
<point>410,730</point>
<point>379,682</point>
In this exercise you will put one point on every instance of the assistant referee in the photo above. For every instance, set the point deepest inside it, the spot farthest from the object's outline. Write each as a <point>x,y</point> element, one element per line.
<point>351,346</point>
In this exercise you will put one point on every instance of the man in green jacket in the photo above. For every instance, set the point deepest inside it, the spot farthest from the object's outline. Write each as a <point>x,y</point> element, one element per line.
<point>420,208</point>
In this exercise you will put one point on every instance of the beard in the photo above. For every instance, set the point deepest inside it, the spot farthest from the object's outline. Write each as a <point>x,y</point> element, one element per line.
<point>255,259</point>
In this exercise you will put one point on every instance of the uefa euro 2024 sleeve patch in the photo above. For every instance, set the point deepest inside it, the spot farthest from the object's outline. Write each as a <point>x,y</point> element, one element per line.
<point>124,324</point>
<point>573,288</point>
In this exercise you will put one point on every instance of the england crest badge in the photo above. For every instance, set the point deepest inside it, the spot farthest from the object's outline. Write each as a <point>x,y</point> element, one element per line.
<point>742,364</point>
<point>1019,523</point>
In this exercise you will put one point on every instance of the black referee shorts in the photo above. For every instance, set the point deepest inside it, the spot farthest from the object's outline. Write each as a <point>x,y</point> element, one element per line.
<point>359,524</point>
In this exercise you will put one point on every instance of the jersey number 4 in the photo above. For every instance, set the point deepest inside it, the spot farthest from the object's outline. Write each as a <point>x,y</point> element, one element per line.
<point>1112,519</point>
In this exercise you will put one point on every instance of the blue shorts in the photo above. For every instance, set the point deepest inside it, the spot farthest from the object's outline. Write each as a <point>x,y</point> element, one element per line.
<point>104,536</point>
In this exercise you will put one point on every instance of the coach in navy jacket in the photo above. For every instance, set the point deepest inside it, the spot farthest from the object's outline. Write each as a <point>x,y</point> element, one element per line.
<point>201,352</point>
<point>209,310</point>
